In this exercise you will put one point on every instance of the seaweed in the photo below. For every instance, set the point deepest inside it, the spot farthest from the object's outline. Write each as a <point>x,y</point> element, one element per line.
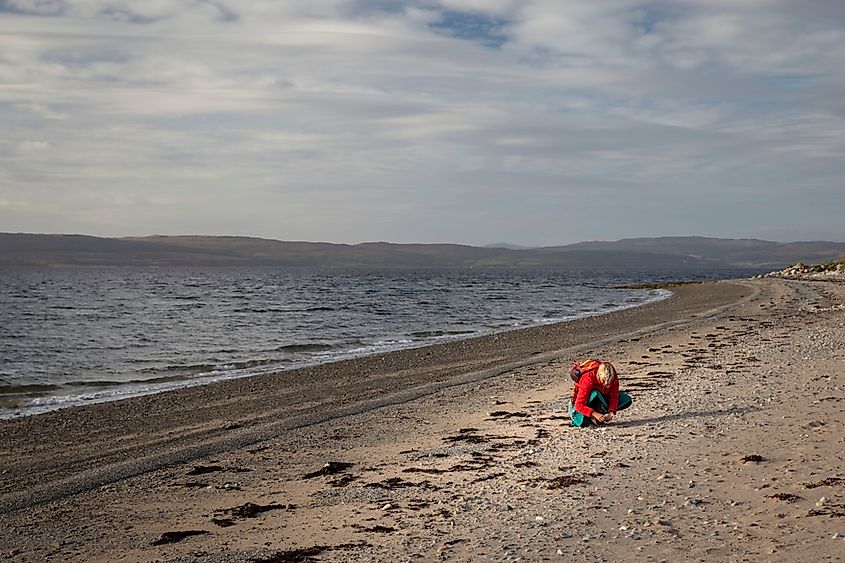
<point>830,481</point>
<point>560,482</point>
<point>177,536</point>
<point>330,468</point>
<point>508,414</point>
<point>788,497</point>
<point>203,469</point>
<point>305,553</point>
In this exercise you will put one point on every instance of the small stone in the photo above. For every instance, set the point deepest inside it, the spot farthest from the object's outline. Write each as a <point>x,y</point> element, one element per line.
<point>821,502</point>
<point>539,519</point>
<point>660,520</point>
<point>387,506</point>
<point>836,536</point>
<point>560,552</point>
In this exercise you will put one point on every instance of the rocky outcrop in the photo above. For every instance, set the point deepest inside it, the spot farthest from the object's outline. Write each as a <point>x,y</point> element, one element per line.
<point>828,271</point>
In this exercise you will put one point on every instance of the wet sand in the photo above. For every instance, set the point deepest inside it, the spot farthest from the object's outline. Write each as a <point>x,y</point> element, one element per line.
<point>462,451</point>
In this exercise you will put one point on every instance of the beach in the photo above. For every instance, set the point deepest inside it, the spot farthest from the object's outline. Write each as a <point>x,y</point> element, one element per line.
<point>732,450</point>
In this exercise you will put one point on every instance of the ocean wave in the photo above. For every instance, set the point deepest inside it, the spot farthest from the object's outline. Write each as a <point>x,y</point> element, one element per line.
<point>28,389</point>
<point>98,383</point>
<point>310,347</point>
<point>439,333</point>
<point>179,368</point>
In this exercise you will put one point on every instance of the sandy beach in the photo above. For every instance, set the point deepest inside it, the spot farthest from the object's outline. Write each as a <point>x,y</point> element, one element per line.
<point>732,451</point>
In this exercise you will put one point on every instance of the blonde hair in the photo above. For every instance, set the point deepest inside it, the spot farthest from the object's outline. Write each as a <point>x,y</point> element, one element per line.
<point>606,373</point>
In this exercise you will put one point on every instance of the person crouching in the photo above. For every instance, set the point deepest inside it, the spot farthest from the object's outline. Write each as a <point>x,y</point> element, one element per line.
<point>596,397</point>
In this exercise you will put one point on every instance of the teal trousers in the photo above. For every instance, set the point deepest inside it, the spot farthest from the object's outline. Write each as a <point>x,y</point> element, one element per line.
<point>597,402</point>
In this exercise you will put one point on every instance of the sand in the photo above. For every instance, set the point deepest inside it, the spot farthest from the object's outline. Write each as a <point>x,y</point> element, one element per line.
<point>732,450</point>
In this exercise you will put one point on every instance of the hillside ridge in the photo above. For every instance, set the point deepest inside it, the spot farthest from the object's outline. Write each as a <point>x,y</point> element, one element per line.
<point>656,253</point>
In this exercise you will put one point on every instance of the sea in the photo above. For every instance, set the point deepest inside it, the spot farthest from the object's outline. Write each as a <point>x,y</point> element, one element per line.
<point>74,336</point>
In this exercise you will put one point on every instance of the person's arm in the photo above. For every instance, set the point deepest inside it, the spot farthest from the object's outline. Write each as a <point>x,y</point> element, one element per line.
<point>585,386</point>
<point>614,395</point>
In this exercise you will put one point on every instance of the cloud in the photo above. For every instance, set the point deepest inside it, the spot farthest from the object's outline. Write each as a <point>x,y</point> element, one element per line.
<point>40,110</point>
<point>147,12</point>
<point>31,146</point>
<point>450,120</point>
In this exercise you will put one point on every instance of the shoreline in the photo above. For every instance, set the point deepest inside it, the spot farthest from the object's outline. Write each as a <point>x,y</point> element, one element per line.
<point>135,389</point>
<point>463,450</point>
<point>239,412</point>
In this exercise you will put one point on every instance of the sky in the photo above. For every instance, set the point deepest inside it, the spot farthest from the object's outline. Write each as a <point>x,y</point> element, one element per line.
<point>535,122</point>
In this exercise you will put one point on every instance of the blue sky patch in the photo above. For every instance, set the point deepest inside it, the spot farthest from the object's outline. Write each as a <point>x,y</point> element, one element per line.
<point>472,27</point>
<point>44,8</point>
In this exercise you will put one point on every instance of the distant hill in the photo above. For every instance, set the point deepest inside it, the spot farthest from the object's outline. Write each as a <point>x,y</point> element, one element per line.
<point>508,246</point>
<point>654,254</point>
<point>749,253</point>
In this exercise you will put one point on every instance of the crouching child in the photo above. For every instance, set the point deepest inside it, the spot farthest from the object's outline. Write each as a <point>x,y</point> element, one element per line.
<point>596,397</point>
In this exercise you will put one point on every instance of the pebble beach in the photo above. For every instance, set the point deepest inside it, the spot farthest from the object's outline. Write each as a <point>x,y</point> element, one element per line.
<point>732,449</point>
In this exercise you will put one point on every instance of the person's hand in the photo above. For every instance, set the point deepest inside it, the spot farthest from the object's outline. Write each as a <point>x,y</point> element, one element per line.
<point>608,417</point>
<point>600,417</point>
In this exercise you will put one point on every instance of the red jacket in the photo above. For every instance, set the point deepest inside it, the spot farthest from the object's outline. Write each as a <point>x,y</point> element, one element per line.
<point>585,386</point>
